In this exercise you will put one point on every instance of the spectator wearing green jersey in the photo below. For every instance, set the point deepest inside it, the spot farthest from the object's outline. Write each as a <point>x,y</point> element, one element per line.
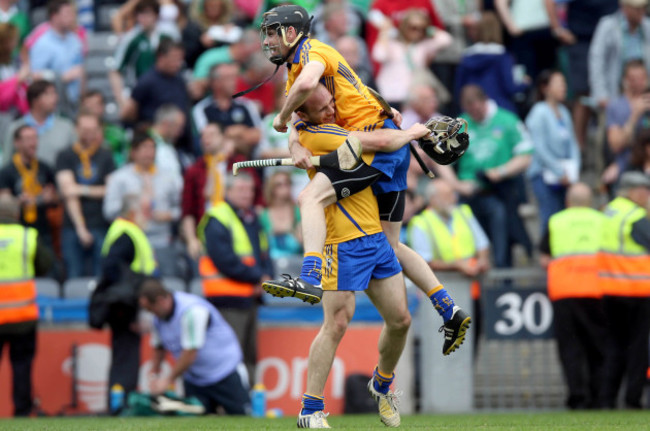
<point>489,176</point>
<point>136,53</point>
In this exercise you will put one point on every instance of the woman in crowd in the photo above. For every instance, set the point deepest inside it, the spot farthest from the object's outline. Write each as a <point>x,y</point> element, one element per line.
<point>556,160</point>
<point>406,53</point>
<point>281,218</point>
<point>215,19</point>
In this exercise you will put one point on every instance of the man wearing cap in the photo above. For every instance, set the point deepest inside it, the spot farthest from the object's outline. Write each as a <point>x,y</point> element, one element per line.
<point>619,38</point>
<point>624,279</point>
<point>22,258</point>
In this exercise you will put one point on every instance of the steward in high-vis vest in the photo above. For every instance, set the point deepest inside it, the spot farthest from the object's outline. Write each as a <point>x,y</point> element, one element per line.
<point>449,238</point>
<point>127,259</point>
<point>21,259</point>
<point>570,249</point>
<point>624,274</point>
<point>237,261</point>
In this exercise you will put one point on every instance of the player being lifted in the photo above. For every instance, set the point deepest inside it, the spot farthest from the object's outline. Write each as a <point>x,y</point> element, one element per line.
<point>285,39</point>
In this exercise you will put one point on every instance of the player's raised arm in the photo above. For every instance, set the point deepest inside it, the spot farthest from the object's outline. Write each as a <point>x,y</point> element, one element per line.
<point>305,84</point>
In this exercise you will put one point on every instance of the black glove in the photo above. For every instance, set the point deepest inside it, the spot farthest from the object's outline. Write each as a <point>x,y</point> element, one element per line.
<point>446,143</point>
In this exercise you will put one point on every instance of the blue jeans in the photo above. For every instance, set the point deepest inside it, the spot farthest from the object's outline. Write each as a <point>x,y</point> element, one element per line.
<point>550,199</point>
<point>491,214</point>
<point>80,261</point>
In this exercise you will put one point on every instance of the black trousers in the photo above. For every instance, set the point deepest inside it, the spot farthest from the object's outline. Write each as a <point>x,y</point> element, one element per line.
<point>22,347</point>
<point>627,349</point>
<point>580,330</point>
<point>230,393</point>
<point>125,360</point>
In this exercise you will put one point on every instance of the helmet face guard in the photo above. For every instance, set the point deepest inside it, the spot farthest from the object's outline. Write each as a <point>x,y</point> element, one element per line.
<point>273,50</point>
<point>274,26</point>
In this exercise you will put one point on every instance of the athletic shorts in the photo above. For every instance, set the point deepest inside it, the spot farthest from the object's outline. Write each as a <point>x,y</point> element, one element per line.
<point>386,175</point>
<point>350,265</point>
<point>347,183</point>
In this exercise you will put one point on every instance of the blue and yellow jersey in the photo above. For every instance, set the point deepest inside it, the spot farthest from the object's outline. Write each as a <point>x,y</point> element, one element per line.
<point>356,215</point>
<point>356,108</point>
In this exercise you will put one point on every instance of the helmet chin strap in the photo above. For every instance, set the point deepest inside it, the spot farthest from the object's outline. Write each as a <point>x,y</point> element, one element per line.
<point>242,93</point>
<point>277,64</point>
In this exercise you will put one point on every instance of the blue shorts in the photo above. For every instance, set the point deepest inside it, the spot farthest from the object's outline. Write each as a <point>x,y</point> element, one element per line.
<point>393,165</point>
<point>350,265</point>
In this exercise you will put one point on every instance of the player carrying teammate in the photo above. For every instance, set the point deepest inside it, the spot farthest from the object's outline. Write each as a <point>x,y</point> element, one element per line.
<point>285,32</point>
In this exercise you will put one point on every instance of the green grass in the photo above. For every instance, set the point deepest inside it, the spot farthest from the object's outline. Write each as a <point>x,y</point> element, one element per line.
<point>623,420</point>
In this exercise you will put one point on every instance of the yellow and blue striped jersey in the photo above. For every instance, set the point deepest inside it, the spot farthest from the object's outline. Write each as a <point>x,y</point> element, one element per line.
<point>356,215</point>
<point>356,108</point>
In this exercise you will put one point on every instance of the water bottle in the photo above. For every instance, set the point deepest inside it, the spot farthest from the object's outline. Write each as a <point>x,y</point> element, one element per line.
<point>116,399</point>
<point>258,400</point>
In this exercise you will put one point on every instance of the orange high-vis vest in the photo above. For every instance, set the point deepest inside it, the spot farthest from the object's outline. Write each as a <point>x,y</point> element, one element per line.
<point>575,235</point>
<point>214,283</point>
<point>624,265</point>
<point>17,286</point>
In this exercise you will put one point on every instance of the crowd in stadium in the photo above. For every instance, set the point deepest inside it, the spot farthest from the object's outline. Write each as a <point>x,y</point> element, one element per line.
<point>554,92</point>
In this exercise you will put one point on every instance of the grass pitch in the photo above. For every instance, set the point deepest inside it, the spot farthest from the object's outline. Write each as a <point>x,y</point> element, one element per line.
<point>616,420</point>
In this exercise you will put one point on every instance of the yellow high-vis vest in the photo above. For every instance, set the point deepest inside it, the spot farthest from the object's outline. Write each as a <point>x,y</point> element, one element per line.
<point>214,283</point>
<point>144,261</point>
<point>575,235</point>
<point>450,246</point>
<point>624,265</point>
<point>17,286</point>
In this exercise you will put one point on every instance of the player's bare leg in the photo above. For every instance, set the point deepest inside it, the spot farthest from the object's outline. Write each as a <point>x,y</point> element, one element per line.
<point>389,297</point>
<point>456,320</point>
<point>312,201</point>
<point>317,195</point>
<point>338,309</point>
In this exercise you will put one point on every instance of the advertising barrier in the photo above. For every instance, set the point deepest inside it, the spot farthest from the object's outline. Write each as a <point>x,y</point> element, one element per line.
<point>282,367</point>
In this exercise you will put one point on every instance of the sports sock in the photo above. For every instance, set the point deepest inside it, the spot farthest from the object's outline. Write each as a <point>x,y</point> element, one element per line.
<point>311,404</point>
<point>311,268</point>
<point>442,302</point>
<point>382,381</point>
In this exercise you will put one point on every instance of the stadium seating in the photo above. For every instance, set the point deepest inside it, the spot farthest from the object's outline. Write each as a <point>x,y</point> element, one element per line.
<point>195,287</point>
<point>79,288</point>
<point>174,284</point>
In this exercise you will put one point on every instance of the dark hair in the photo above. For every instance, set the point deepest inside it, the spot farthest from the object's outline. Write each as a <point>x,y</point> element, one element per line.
<point>92,93</point>
<point>147,6</point>
<point>36,90</point>
<point>54,6</point>
<point>19,131</point>
<point>638,155</point>
<point>140,138</point>
<point>152,289</point>
<point>543,79</point>
<point>166,46</point>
